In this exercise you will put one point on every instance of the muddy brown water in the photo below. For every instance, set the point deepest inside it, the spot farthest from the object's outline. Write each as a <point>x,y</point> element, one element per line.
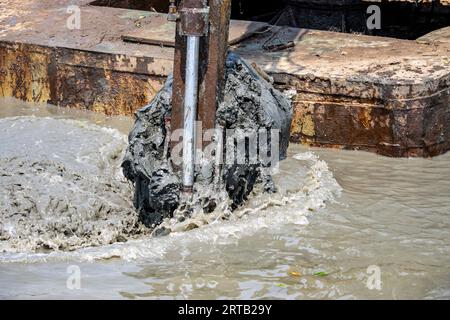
<point>339,216</point>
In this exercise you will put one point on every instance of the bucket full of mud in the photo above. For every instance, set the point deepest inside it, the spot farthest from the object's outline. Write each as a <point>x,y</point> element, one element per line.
<point>242,153</point>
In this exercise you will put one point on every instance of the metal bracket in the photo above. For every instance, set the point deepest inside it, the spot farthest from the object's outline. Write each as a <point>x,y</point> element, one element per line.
<point>194,21</point>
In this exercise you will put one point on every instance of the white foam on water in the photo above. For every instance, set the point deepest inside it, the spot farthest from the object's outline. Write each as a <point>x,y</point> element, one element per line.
<point>65,193</point>
<point>311,186</point>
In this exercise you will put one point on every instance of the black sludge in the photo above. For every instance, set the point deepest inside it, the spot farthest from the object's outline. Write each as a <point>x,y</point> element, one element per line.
<point>250,104</point>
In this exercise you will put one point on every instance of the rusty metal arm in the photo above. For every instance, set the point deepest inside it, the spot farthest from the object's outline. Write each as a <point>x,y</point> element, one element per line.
<point>202,26</point>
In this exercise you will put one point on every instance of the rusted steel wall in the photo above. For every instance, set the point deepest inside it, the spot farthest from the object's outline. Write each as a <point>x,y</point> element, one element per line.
<point>391,126</point>
<point>399,122</point>
<point>107,83</point>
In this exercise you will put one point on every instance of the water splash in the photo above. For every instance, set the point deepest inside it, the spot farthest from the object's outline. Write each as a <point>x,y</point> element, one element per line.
<point>311,185</point>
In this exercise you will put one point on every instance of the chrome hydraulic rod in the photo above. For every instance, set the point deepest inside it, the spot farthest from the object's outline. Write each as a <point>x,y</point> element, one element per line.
<point>190,111</point>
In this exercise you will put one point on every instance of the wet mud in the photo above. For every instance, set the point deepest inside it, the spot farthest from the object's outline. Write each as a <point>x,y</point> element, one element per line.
<point>250,104</point>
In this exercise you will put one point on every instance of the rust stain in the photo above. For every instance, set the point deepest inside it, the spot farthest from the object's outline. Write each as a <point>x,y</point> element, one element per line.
<point>303,121</point>
<point>365,118</point>
<point>23,74</point>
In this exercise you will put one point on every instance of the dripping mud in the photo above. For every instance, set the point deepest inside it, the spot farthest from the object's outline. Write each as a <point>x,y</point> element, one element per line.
<point>250,105</point>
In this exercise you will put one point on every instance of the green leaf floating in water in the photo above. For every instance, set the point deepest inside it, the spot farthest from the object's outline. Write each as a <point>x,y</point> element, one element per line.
<point>321,274</point>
